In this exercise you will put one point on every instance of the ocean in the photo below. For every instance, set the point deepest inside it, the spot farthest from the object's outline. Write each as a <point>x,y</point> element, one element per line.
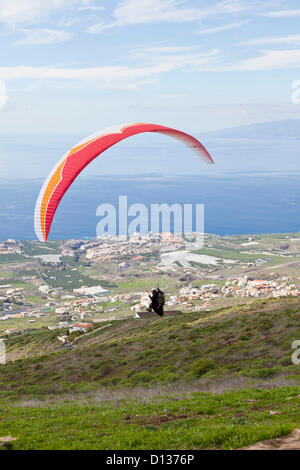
<point>252,188</point>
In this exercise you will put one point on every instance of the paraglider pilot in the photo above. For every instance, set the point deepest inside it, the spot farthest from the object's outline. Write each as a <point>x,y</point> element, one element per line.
<point>157,302</point>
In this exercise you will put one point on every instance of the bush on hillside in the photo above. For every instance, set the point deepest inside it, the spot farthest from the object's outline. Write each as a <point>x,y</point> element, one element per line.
<point>202,366</point>
<point>141,378</point>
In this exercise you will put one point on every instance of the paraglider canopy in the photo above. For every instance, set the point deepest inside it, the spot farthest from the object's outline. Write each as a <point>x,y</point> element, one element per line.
<point>76,159</point>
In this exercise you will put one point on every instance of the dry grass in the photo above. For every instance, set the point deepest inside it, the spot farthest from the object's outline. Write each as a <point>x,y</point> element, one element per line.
<point>146,395</point>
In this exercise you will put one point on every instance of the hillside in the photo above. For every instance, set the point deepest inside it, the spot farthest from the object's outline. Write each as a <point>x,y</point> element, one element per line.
<point>245,345</point>
<point>219,380</point>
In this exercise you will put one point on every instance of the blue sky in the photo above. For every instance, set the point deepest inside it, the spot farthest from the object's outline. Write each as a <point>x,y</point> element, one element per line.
<point>75,66</point>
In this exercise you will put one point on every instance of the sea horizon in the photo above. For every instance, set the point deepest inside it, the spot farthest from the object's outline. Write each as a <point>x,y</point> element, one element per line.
<point>252,188</point>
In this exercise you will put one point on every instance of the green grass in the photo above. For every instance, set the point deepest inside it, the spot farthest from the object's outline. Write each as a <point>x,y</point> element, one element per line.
<point>194,421</point>
<point>36,248</point>
<point>130,284</point>
<point>155,373</point>
<point>211,281</point>
<point>231,253</point>
<point>5,274</point>
<point>277,260</point>
<point>70,280</point>
<point>13,258</point>
<point>23,323</point>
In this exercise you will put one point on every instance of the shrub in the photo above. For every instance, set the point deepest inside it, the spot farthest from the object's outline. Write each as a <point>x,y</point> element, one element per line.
<point>264,324</point>
<point>202,366</point>
<point>169,369</point>
<point>110,382</point>
<point>96,365</point>
<point>189,377</point>
<point>244,337</point>
<point>169,377</point>
<point>105,370</point>
<point>141,378</point>
<point>265,373</point>
<point>75,334</point>
<point>122,362</point>
<point>172,336</point>
<point>286,360</point>
<point>149,352</point>
<point>195,334</point>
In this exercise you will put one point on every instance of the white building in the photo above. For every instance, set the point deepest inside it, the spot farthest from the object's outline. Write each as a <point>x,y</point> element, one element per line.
<point>84,327</point>
<point>45,289</point>
<point>61,310</point>
<point>93,291</point>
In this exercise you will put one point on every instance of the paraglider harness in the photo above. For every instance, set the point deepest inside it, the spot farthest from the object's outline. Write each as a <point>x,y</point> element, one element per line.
<point>157,302</point>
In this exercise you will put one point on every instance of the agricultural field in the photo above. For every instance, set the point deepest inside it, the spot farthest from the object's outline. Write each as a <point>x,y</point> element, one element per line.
<point>69,279</point>
<point>37,248</point>
<point>27,323</point>
<point>12,258</point>
<point>137,284</point>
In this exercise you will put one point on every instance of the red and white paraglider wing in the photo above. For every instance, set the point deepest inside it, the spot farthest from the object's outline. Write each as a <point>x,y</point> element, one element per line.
<point>74,161</point>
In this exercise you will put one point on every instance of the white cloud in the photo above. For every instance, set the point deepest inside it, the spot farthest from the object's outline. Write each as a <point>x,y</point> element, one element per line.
<point>156,61</point>
<point>43,36</point>
<point>192,58</point>
<point>221,28</point>
<point>5,101</point>
<point>96,84</point>
<point>107,74</point>
<point>128,12</point>
<point>282,13</point>
<point>35,11</point>
<point>271,60</point>
<point>292,39</point>
<point>91,8</point>
<point>99,27</point>
<point>147,51</point>
<point>151,11</point>
<point>176,57</point>
<point>171,96</point>
<point>104,77</point>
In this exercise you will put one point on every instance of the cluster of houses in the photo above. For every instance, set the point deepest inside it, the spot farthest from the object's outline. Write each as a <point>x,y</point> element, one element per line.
<point>10,247</point>
<point>189,296</point>
<point>10,297</point>
<point>133,247</point>
<point>245,287</point>
<point>78,309</point>
<point>239,286</point>
<point>86,302</point>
